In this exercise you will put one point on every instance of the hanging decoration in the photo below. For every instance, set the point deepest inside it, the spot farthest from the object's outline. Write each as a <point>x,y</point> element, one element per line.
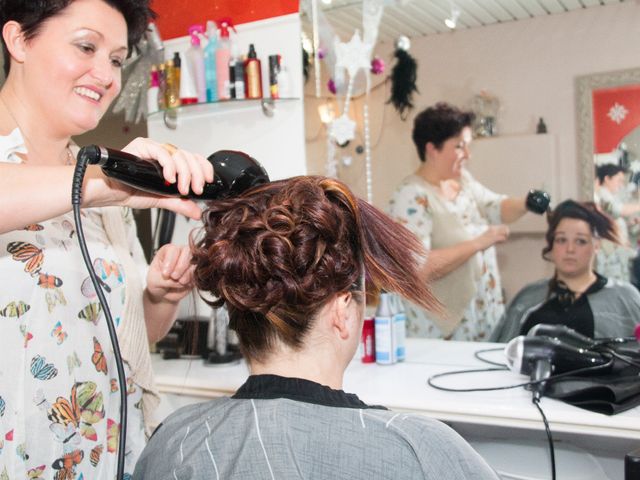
<point>377,66</point>
<point>403,78</point>
<point>133,97</point>
<point>346,60</point>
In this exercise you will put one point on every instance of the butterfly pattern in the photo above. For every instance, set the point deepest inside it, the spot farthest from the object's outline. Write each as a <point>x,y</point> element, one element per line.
<point>53,312</point>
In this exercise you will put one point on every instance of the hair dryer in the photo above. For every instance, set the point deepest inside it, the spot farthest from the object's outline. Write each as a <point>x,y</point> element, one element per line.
<point>539,357</point>
<point>234,172</point>
<point>562,333</point>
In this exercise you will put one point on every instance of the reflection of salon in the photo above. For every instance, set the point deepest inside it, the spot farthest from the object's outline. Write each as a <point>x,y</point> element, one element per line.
<point>511,64</point>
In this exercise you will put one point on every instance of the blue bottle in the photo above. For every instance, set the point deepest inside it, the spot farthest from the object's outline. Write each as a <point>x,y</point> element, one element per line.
<point>211,79</point>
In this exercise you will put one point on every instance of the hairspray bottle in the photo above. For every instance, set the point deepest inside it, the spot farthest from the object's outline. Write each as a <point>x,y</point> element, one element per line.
<point>253,74</point>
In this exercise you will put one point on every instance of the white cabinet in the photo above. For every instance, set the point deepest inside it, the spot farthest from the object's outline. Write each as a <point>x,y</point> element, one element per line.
<point>515,164</point>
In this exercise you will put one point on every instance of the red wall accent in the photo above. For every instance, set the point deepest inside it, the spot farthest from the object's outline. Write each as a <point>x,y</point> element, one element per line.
<point>606,132</point>
<point>175,16</point>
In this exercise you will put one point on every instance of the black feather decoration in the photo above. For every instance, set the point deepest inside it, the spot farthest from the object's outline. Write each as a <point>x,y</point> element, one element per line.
<point>306,64</point>
<point>403,82</point>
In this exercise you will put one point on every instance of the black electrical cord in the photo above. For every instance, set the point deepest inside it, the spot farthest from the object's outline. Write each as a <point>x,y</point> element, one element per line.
<point>552,452</point>
<point>478,355</point>
<point>506,387</point>
<point>76,197</point>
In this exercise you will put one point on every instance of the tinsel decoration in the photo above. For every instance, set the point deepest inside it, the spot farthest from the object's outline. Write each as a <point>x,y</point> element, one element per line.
<point>403,80</point>
<point>133,97</point>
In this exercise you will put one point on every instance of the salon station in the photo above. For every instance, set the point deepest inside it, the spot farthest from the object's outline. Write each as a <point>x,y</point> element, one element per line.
<point>336,88</point>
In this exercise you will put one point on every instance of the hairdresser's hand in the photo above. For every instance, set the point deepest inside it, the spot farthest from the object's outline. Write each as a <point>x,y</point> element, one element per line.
<point>189,170</point>
<point>170,275</point>
<point>494,234</point>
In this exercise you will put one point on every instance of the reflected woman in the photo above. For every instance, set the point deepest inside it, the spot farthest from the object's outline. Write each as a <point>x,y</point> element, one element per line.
<point>576,296</point>
<point>460,220</point>
<point>289,259</point>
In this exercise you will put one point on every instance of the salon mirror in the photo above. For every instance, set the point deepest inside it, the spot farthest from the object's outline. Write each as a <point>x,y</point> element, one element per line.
<point>608,123</point>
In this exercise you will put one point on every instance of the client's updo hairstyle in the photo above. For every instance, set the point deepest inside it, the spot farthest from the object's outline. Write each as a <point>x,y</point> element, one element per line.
<point>601,224</point>
<point>279,252</point>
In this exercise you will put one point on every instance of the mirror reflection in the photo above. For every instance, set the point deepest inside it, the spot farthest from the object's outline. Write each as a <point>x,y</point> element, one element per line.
<point>530,66</point>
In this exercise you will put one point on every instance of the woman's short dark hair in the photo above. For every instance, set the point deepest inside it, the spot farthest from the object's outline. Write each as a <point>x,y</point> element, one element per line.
<point>31,14</point>
<point>437,124</point>
<point>608,170</point>
<point>601,224</point>
<point>278,253</point>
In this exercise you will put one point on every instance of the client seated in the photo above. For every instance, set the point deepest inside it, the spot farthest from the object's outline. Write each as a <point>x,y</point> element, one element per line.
<point>289,260</point>
<point>576,295</point>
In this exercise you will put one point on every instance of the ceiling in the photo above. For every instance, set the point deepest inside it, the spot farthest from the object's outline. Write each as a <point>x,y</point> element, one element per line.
<point>416,18</point>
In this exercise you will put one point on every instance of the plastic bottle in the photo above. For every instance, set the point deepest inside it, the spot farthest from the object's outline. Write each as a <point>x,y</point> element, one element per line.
<point>172,92</point>
<point>162,82</point>
<point>236,74</point>
<point>284,81</point>
<point>195,61</point>
<point>274,69</point>
<point>177,66</point>
<point>385,348</point>
<point>153,91</point>
<point>399,328</point>
<point>253,74</point>
<point>210,72</point>
<point>223,55</point>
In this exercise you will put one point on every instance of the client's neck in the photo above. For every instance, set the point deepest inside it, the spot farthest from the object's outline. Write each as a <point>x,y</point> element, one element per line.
<point>578,284</point>
<point>321,366</point>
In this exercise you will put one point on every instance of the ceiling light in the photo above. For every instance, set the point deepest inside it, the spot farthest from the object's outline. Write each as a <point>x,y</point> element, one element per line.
<point>327,2</point>
<point>452,21</point>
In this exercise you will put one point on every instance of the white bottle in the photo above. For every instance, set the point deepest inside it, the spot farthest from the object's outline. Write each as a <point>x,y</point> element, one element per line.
<point>284,82</point>
<point>399,328</point>
<point>153,92</point>
<point>385,348</point>
<point>195,60</point>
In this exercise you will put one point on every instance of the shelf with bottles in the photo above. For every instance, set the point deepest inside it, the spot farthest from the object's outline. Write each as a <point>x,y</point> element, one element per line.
<point>267,105</point>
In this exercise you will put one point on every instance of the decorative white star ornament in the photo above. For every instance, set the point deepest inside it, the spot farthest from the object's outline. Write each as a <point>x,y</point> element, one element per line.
<point>617,113</point>
<point>354,55</point>
<point>342,129</point>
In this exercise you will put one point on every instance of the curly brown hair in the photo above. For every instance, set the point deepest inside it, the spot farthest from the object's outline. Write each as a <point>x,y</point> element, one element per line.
<point>279,252</point>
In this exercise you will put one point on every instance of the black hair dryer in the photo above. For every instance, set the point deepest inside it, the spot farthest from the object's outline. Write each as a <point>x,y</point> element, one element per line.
<point>234,172</point>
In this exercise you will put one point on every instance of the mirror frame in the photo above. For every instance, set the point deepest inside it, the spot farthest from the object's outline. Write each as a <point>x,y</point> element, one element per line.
<point>584,87</point>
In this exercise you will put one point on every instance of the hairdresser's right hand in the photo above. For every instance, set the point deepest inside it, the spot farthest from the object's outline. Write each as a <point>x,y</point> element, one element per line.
<point>494,234</point>
<point>189,170</point>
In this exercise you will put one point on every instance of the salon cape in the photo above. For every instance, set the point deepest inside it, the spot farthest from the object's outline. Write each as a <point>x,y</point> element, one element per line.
<point>615,307</point>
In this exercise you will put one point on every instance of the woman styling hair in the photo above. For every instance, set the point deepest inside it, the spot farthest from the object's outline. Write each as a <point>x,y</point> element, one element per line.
<point>460,221</point>
<point>59,406</point>
<point>576,295</point>
<point>289,260</point>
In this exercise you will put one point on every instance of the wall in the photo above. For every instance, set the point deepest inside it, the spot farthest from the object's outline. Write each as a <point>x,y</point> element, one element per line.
<point>530,65</point>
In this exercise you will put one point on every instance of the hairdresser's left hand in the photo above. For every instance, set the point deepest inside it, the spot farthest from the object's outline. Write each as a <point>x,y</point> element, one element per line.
<point>170,275</point>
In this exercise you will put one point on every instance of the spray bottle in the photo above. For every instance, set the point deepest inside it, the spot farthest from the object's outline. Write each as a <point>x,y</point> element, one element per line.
<point>384,338</point>
<point>195,61</point>
<point>210,62</point>
<point>153,91</point>
<point>223,55</point>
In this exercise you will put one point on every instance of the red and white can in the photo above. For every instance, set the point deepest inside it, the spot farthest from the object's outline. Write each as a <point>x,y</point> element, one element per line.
<point>368,341</point>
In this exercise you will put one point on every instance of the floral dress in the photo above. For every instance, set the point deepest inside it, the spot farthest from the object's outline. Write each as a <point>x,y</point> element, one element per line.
<point>476,207</point>
<point>59,398</point>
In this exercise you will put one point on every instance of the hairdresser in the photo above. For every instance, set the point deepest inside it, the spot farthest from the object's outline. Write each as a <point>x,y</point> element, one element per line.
<point>460,221</point>
<point>614,260</point>
<point>289,259</point>
<point>576,295</point>
<point>59,406</point>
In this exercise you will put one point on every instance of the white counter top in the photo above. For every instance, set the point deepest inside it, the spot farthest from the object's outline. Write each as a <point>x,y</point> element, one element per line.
<point>403,387</point>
